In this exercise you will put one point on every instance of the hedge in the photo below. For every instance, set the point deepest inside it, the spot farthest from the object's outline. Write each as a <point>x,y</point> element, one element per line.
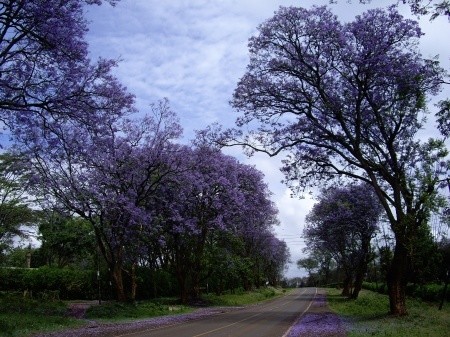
<point>427,292</point>
<point>50,282</point>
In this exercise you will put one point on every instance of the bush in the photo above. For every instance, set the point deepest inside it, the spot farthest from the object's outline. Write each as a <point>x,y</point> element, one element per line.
<point>51,283</point>
<point>115,310</point>
<point>428,292</point>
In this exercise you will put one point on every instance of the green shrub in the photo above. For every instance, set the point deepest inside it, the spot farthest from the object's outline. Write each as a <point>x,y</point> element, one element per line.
<point>428,292</point>
<point>51,283</point>
<point>116,310</point>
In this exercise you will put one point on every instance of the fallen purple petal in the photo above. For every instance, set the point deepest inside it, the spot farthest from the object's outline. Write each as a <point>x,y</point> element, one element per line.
<point>318,322</point>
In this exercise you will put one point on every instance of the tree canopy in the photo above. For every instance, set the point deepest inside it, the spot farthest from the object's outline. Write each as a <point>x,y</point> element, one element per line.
<point>346,101</point>
<point>421,7</point>
<point>342,224</point>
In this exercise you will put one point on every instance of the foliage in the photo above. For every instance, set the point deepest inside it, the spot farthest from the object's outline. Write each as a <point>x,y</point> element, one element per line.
<point>309,264</point>
<point>426,260</point>
<point>66,241</point>
<point>243,297</point>
<point>14,209</point>
<point>367,316</point>
<point>421,7</point>
<point>47,77</point>
<point>22,316</point>
<point>121,311</point>
<point>217,204</point>
<point>50,282</point>
<point>110,180</point>
<point>424,7</point>
<point>427,292</point>
<point>342,224</point>
<point>346,100</point>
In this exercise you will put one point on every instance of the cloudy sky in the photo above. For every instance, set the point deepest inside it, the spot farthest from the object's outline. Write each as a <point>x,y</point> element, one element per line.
<point>193,52</point>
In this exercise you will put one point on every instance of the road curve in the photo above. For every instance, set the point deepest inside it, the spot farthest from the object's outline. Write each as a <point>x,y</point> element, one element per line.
<point>270,319</point>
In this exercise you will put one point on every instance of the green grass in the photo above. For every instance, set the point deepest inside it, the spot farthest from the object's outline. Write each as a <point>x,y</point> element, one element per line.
<point>368,316</point>
<point>21,317</point>
<point>115,311</point>
<point>240,298</point>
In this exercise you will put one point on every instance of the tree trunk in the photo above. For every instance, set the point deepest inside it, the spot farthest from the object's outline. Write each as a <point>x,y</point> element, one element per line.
<point>184,295</point>
<point>133,282</point>
<point>118,283</point>
<point>195,289</point>
<point>397,280</point>
<point>346,286</point>
<point>182,283</point>
<point>444,293</point>
<point>362,267</point>
<point>357,286</point>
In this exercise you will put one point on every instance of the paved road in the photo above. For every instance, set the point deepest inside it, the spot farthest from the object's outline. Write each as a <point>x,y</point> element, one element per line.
<point>271,319</point>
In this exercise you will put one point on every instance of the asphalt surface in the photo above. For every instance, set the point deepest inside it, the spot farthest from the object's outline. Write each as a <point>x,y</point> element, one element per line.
<point>270,319</point>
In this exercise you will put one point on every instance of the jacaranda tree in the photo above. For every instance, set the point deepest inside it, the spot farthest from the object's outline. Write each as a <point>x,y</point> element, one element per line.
<point>342,224</point>
<point>109,180</point>
<point>346,100</point>
<point>46,75</point>
<point>205,202</point>
<point>420,7</point>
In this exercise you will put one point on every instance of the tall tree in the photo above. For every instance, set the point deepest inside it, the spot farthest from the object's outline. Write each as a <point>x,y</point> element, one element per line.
<point>109,180</point>
<point>206,201</point>
<point>66,241</point>
<point>343,223</point>
<point>15,211</point>
<point>346,100</point>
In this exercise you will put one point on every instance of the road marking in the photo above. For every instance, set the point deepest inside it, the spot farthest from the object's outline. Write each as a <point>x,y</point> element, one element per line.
<point>214,330</point>
<point>301,315</point>
<point>247,318</point>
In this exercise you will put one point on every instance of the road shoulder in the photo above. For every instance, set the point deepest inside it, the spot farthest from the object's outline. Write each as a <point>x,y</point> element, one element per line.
<point>318,321</point>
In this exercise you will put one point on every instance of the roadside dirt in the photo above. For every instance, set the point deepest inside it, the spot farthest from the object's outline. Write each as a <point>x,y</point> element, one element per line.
<point>78,309</point>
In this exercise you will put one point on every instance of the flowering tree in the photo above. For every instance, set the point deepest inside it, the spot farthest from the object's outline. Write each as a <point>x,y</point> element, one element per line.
<point>109,181</point>
<point>346,100</point>
<point>342,224</point>
<point>420,7</point>
<point>267,255</point>
<point>208,201</point>
<point>46,75</point>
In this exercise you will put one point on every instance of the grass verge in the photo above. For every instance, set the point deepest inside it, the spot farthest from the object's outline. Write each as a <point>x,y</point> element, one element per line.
<point>21,317</point>
<point>240,298</point>
<point>115,311</point>
<point>368,316</point>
